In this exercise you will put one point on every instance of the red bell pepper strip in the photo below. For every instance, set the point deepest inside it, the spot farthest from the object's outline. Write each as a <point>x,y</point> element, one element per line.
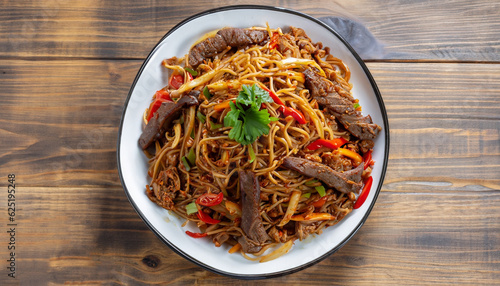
<point>273,95</point>
<point>195,235</point>
<point>287,111</point>
<point>297,115</point>
<point>332,144</point>
<point>210,199</point>
<point>364,193</point>
<point>206,218</point>
<point>319,203</point>
<point>160,97</point>
<point>273,43</point>
<point>176,80</point>
<point>367,158</point>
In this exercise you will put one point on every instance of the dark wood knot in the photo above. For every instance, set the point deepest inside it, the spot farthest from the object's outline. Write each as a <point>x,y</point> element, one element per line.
<point>151,261</point>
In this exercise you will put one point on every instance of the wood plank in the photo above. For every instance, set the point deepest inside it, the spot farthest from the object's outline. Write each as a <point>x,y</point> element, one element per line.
<point>92,235</point>
<point>59,121</point>
<point>458,30</point>
<point>444,119</point>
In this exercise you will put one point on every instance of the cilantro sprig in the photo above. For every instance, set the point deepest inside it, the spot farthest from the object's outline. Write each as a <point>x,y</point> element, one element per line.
<point>249,122</point>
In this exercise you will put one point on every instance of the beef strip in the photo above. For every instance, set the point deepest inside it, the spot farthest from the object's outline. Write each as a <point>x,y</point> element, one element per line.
<point>251,221</point>
<point>324,92</point>
<point>162,119</point>
<point>345,182</point>
<point>232,37</point>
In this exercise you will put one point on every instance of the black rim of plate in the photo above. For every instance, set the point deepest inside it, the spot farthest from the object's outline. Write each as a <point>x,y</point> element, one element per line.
<point>384,165</point>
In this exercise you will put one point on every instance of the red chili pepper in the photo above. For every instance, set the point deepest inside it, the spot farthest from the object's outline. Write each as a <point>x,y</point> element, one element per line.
<point>364,193</point>
<point>297,115</point>
<point>160,97</point>
<point>273,43</point>
<point>210,199</point>
<point>176,80</point>
<point>332,144</point>
<point>367,158</point>
<point>195,234</point>
<point>319,203</point>
<point>273,95</point>
<point>206,218</point>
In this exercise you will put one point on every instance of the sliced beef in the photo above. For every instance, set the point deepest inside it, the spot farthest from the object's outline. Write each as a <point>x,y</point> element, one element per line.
<point>220,238</point>
<point>165,188</point>
<point>325,94</point>
<point>345,182</point>
<point>251,221</point>
<point>162,119</point>
<point>232,37</point>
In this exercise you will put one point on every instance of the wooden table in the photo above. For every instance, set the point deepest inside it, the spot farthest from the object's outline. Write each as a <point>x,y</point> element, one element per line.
<point>66,69</point>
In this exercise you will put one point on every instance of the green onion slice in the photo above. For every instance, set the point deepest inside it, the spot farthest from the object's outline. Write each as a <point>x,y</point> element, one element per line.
<point>321,190</point>
<point>185,163</point>
<point>191,71</point>
<point>191,208</point>
<point>207,93</point>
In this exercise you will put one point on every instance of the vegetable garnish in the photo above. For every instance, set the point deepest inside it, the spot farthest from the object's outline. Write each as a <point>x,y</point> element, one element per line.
<point>321,190</point>
<point>274,42</point>
<point>160,97</point>
<point>191,71</point>
<point>319,203</point>
<point>214,126</point>
<point>209,199</point>
<point>248,122</point>
<point>367,158</point>
<point>185,163</point>
<point>223,105</point>
<point>332,144</point>
<point>201,117</point>
<point>195,234</point>
<point>191,208</point>
<point>364,193</point>
<point>297,115</point>
<point>207,93</point>
<point>206,218</point>
<point>176,81</point>
<point>351,154</point>
<point>287,111</point>
<point>251,153</point>
<point>191,156</point>
<point>273,95</point>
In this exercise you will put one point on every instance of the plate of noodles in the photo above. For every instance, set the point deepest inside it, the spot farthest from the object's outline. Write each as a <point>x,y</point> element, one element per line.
<point>254,141</point>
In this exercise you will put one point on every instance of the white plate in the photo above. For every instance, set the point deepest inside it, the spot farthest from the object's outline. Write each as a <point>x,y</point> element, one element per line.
<point>132,164</point>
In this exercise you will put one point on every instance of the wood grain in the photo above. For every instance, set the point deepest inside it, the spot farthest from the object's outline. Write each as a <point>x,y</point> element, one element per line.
<point>454,115</point>
<point>92,235</point>
<point>436,220</point>
<point>406,30</point>
<point>66,69</point>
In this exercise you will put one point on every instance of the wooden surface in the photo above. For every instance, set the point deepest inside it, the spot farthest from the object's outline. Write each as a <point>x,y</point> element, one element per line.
<point>65,71</point>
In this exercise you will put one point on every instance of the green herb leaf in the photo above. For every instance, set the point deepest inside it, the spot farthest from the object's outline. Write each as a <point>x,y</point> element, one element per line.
<point>191,208</point>
<point>246,118</point>
<point>251,153</point>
